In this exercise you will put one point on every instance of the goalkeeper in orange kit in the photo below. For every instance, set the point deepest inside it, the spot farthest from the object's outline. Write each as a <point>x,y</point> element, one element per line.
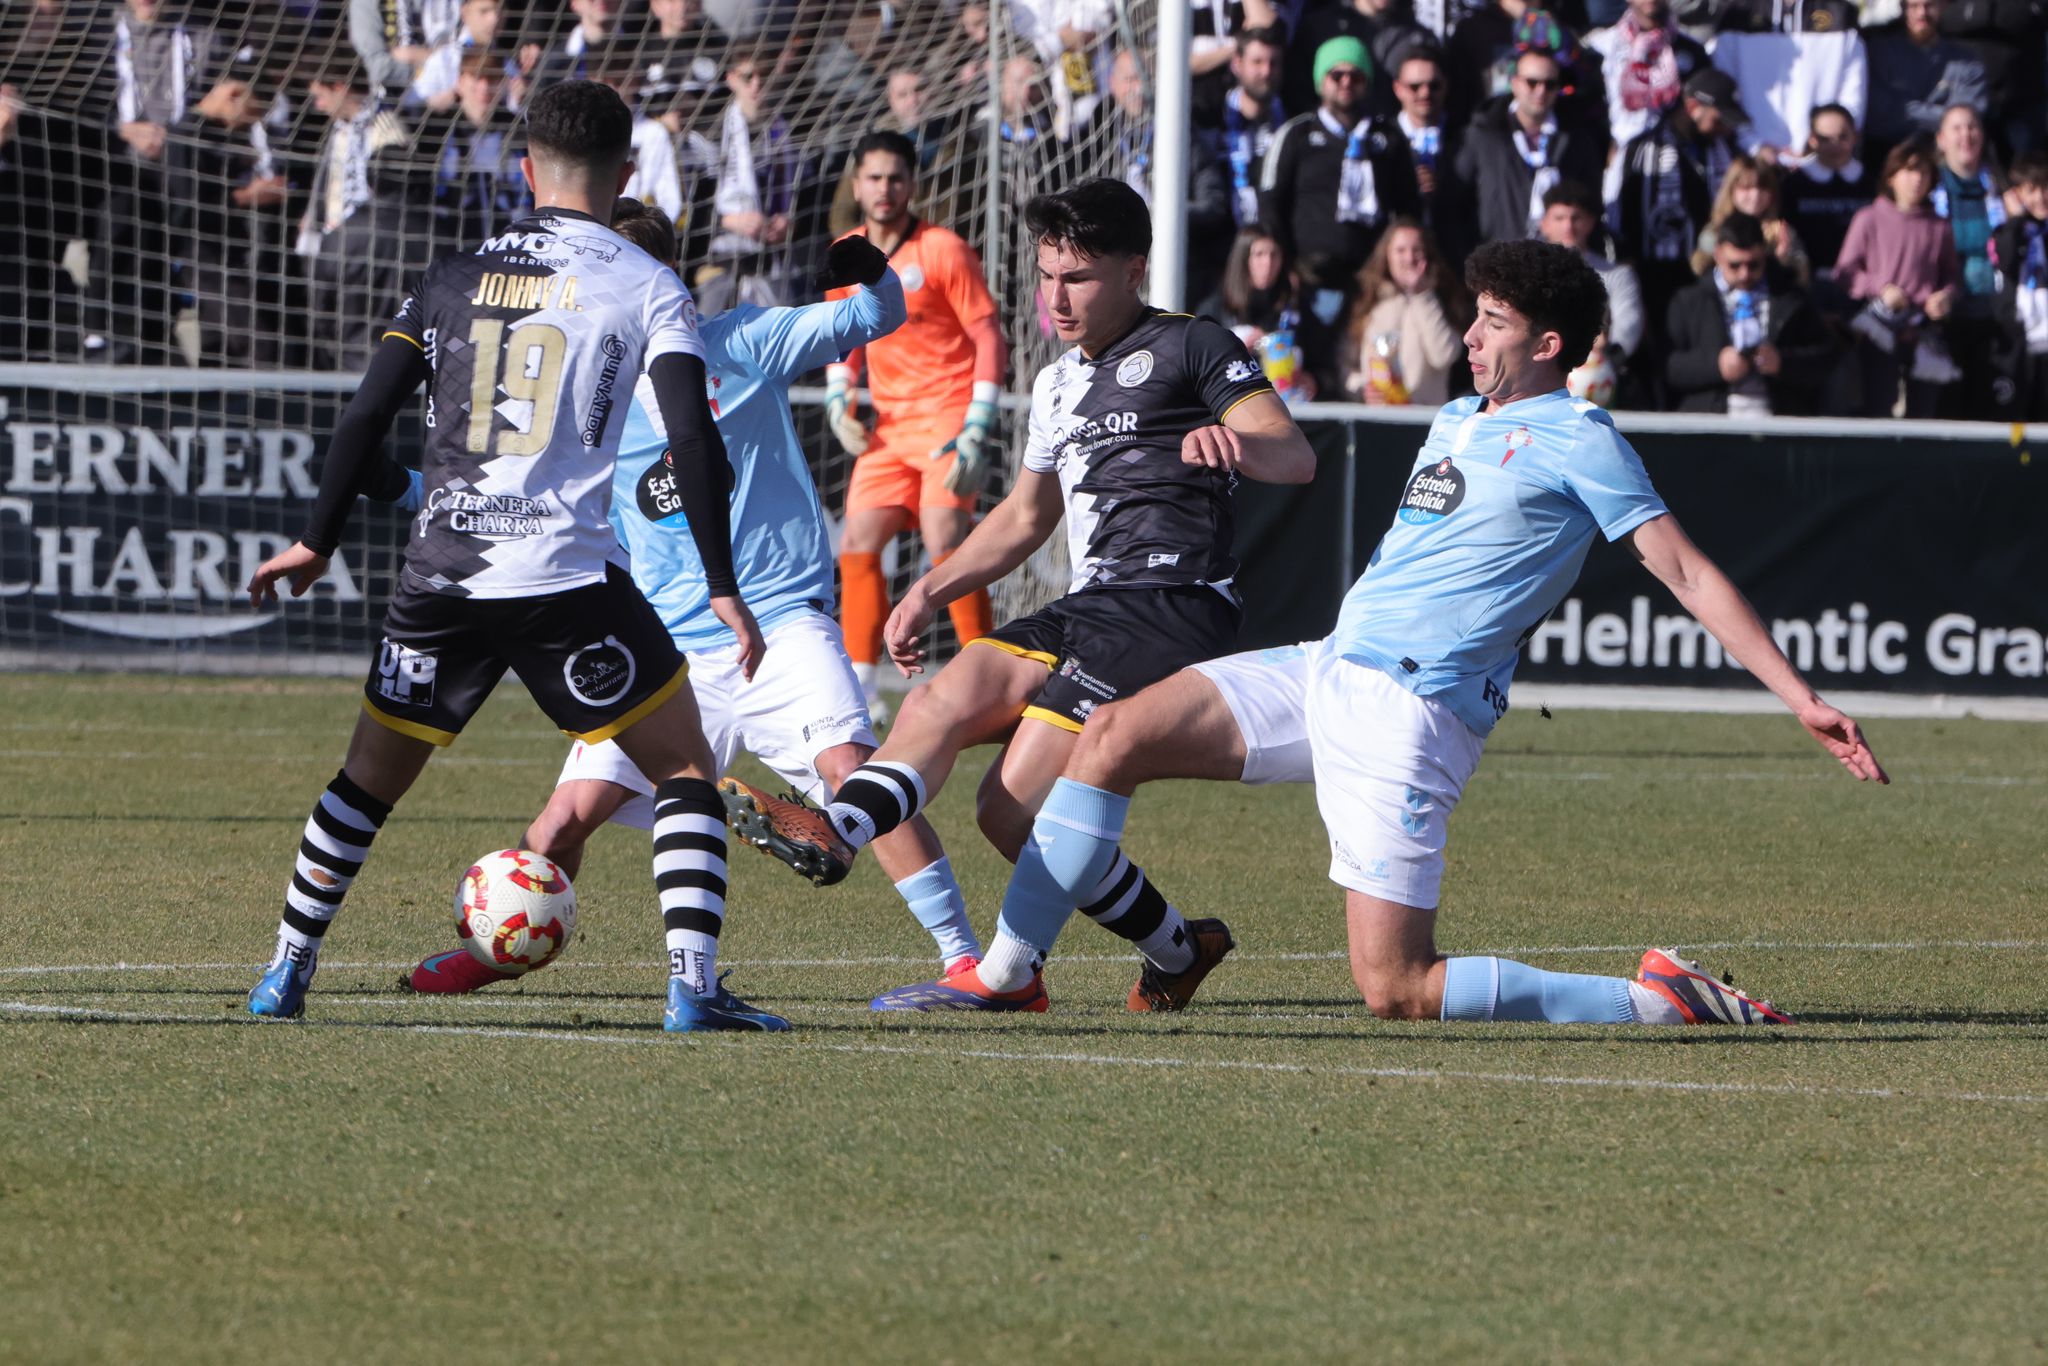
<point>933,383</point>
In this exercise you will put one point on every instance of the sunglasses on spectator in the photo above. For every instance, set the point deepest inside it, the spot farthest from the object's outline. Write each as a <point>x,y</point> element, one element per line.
<point>1345,73</point>
<point>1540,82</point>
<point>1419,86</point>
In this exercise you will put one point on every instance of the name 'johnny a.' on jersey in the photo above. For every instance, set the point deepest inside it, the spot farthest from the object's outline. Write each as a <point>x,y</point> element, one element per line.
<point>535,342</point>
<point>1112,428</point>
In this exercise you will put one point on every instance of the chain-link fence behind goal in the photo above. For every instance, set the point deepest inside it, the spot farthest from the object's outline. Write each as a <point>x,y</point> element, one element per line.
<point>240,191</point>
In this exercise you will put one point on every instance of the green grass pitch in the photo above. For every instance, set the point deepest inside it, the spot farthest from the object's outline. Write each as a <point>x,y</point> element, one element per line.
<point>538,1173</point>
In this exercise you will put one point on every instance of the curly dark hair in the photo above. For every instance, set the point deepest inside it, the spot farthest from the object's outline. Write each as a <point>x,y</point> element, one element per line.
<point>1096,218</point>
<point>582,123</point>
<point>1551,286</point>
<point>647,228</point>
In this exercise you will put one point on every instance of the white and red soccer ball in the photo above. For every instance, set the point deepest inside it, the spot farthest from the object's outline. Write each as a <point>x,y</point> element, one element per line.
<point>514,910</point>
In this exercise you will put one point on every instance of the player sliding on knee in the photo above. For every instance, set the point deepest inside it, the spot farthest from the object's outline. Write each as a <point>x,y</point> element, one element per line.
<point>1138,435</point>
<point>509,562</point>
<point>802,714</point>
<point>1387,716</point>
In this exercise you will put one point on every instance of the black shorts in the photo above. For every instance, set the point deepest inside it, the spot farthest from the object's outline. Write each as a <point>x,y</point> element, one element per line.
<point>1107,643</point>
<point>595,658</point>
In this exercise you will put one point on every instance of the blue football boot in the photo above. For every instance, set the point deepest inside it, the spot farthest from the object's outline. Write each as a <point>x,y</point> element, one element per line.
<point>688,1012</point>
<point>280,994</point>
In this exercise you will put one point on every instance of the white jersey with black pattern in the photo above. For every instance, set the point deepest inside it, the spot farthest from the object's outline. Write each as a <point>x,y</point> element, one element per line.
<point>1112,428</point>
<point>535,341</point>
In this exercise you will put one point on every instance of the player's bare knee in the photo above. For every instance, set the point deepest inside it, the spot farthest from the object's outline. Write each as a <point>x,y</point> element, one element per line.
<point>1392,994</point>
<point>1110,746</point>
<point>562,829</point>
<point>836,764</point>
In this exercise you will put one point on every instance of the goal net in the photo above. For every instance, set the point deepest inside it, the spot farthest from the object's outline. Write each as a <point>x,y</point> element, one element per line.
<point>208,211</point>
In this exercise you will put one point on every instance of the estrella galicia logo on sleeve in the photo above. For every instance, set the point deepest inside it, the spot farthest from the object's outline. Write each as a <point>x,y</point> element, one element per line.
<point>656,491</point>
<point>1433,494</point>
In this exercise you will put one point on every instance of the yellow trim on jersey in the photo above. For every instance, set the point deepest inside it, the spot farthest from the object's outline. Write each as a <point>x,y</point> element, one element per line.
<point>430,734</point>
<point>1050,661</point>
<point>402,337</point>
<point>1246,399</point>
<point>639,713</point>
<point>1052,718</point>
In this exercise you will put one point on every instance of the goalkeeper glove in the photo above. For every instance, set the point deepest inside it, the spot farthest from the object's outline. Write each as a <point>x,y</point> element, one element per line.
<point>970,449</point>
<point>415,492</point>
<point>840,414</point>
<point>853,261</point>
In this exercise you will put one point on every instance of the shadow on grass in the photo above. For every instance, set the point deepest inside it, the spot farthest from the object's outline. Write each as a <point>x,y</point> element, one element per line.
<point>1538,752</point>
<point>1912,1015</point>
<point>268,818</point>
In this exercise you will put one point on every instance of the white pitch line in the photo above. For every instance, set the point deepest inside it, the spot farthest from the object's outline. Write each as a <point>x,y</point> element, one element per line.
<point>1331,955</point>
<point>218,756</point>
<point>1554,1080</point>
<point>1687,776</point>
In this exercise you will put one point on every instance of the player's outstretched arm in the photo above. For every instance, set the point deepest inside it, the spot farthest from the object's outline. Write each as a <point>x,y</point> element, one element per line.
<point>787,342</point>
<point>1003,540</point>
<point>355,464</point>
<point>1257,439</point>
<point>1703,590</point>
<point>703,477</point>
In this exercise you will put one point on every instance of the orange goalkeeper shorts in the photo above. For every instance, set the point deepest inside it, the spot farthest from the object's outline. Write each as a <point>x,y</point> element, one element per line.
<point>898,472</point>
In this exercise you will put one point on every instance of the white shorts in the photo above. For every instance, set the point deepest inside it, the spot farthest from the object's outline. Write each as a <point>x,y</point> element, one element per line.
<point>802,701</point>
<point>1388,766</point>
<point>1267,693</point>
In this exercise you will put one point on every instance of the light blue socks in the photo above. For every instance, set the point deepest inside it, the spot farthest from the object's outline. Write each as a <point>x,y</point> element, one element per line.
<point>1501,989</point>
<point>933,895</point>
<point>1072,844</point>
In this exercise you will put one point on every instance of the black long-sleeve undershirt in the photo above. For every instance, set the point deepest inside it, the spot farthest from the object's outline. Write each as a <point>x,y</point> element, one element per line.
<point>355,462</point>
<point>696,452</point>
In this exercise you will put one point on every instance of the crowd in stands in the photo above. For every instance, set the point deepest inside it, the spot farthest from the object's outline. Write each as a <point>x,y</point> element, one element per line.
<point>1799,207</point>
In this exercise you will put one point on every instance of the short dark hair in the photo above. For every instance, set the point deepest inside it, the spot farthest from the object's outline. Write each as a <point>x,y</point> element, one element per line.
<point>647,228</point>
<point>1099,217</point>
<point>1843,110</point>
<point>583,122</point>
<point>1911,152</point>
<point>1272,35</point>
<point>895,144</point>
<point>2030,167</point>
<point>1741,231</point>
<point>1577,193</point>
<point>1422,48</point>
<point>1551,286</point>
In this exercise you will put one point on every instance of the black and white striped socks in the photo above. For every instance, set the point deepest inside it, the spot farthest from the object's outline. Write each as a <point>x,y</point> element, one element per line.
<point>689,875</point>
<point>336,840</point>
<point>875,798</point>
<point>1127,905</point>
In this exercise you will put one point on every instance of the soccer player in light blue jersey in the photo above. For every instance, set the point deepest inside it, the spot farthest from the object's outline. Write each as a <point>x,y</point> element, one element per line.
<point>802,713</point>
<point>1388,714</point>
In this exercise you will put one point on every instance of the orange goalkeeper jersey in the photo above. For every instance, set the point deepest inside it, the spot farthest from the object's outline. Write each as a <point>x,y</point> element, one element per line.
<point>926,366</point>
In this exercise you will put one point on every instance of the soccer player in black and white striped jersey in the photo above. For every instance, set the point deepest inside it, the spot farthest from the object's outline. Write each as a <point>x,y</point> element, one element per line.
<point>530,348</point>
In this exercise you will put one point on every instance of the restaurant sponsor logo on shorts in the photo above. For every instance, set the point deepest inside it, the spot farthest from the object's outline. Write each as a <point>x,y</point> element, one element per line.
<point>600,674</point>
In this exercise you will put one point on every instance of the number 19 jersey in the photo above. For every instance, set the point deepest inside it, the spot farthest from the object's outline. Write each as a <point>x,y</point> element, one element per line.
<point>535,343</point>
